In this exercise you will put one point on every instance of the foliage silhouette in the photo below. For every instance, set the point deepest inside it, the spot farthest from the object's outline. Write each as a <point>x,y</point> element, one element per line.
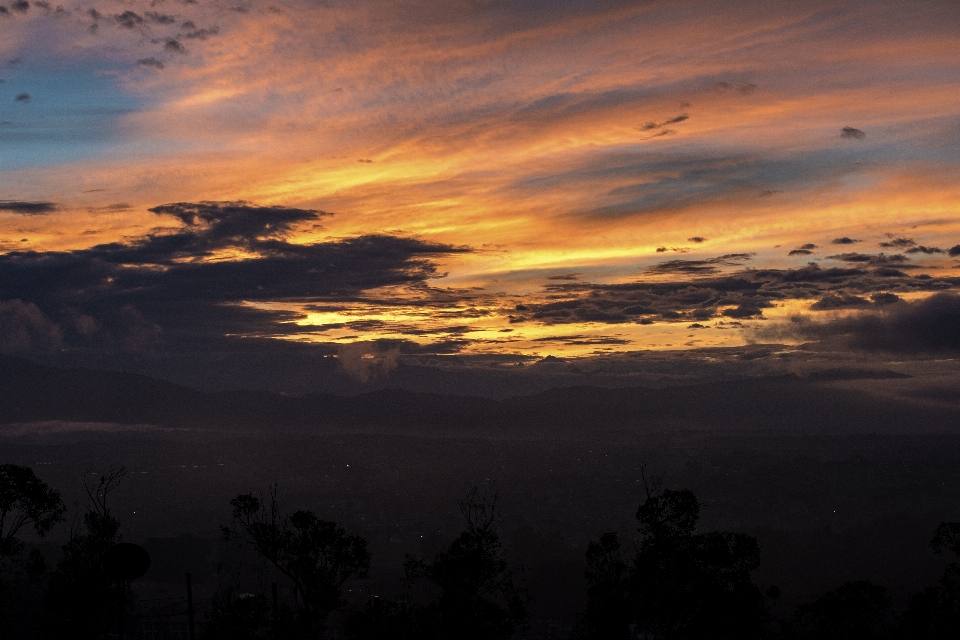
<point>235,616</point>
<point>318,556</point>
<point>476,596</point>
<point>25,502</point>
<point>855,611</point>
<point>934,613</point>
<point>80,593</point>
<point>235,612</point>
<point>679,584</point>
<point>608,594</point>
<point>397,620</point>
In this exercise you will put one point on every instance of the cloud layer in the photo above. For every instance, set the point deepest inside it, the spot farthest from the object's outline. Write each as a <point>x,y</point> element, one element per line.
<point>623,173</point>
<point>185,288</point>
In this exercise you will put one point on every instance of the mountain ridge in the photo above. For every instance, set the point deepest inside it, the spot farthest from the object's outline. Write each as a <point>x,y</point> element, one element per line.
<point>31,392</point>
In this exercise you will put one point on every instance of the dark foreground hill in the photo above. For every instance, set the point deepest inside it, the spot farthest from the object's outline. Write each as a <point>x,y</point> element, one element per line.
<point>30,392</point>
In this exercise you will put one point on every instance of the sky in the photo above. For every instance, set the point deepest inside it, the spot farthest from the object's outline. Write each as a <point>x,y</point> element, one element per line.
<point>503,181</point>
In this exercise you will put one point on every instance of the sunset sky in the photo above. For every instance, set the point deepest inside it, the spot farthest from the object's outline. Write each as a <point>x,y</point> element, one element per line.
<point>478,177</point>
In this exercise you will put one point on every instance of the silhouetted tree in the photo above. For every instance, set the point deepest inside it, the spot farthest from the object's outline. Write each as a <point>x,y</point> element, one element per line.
<point>679,584</point>
<point>689,585</point>
<point>855,611</point>
<point>476,597</point>
<point>318,556</point>
<point>934,613</point>
<point>608,612</point>
<point>25,502</point>
<point>80,592</point>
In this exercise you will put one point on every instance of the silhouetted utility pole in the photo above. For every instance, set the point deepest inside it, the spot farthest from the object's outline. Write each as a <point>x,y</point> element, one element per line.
<point>190,606</point>
<point>376,617</point>
<point>121,607</point>
<point>124,562</point>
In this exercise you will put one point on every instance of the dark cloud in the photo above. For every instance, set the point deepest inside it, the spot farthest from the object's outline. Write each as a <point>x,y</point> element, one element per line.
<point>696,239</point>
<point>364,361</point>
<point>844,240</point>
<point>174,46</point>
<point>839,301</point>
<point>650,126</point>
<point>955,250</point>
<point>927,250</point>
<point>882,298</point>
<point>660,134</point>
<point>698,296</point>
<point>232,223</point>
<point>751,309</point>
<point>879,259</point>
<point>27,208</point>
<point>129,20</point>
<point>564,276</point>
<point>22,97</point>
<point>852,134</point>
<point>150,62</point>
<point>160,18</point>
<point>928,325</point>
<point>808,246</point>
<point>700,266</point>
<point>4,11</point>
<point>24,328</point>
<point>199,34</point>
<point>93,13</point>
<point>898,243</point>
<point>800,252</point>
<point>889,272</point>
<point>159,293</point>
<point>20,6</point>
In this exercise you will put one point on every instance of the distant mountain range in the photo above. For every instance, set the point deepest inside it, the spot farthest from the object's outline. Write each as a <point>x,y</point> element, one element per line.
<point>31,392</point>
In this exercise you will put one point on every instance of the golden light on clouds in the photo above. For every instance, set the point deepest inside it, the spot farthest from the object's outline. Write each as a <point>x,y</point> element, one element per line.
<point>581,138</point>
